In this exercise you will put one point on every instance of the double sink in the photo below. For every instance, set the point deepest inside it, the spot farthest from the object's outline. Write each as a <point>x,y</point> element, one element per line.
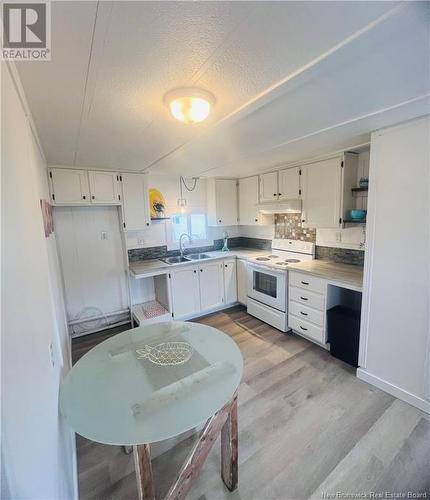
<point>180,258</point>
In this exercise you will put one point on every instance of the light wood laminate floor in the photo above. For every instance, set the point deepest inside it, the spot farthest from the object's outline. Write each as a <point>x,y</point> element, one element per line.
<point>307,427</point>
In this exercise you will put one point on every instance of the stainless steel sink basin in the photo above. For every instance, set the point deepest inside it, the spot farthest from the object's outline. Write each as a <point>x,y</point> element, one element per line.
<point>175,260</point>
<point>198,256</point>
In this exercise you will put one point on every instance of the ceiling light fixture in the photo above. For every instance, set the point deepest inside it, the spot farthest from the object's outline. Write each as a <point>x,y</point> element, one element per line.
<point>189,105</point>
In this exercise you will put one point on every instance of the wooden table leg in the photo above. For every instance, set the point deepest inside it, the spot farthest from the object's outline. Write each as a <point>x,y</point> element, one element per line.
<point>229,448</point>
<point>142,462</point>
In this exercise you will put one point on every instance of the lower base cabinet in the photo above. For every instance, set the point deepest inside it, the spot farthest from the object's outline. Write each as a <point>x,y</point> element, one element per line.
<point>242,282</point>
<point>230,281</point>
<point>197,289</point>
<point>184,286</point>
<point>211,285</point>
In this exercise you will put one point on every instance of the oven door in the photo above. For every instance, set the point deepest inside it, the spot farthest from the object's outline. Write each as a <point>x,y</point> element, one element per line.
<point>267,286</point>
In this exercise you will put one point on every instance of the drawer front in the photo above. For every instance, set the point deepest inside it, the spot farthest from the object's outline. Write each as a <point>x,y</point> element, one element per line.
<point>306,313</point>
<point>307,298</point>
<point>306,329</point>
<point>307,281</point>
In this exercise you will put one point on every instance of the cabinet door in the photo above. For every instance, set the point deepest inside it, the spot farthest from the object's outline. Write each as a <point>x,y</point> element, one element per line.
<point>321,193</point>
<point>135,204</point>
<point>289,183</point>
<point>104,187</point>
<point>248,200</point>
<point>69,187</point>
<point>185,279</point>
<point>230,281</point>
<point>211,285</point>
<point>226,202</point>
<point>242,282</point>
<point>269,187</point>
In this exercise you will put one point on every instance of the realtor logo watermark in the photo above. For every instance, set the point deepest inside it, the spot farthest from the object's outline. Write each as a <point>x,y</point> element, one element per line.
<point>26,30</point>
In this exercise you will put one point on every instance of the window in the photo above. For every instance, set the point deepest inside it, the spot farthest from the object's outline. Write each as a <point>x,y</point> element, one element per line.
<point>193,224</point>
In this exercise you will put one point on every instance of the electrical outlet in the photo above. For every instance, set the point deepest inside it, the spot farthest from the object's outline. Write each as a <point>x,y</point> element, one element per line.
<point>51,355</point>
<point>103,235</point>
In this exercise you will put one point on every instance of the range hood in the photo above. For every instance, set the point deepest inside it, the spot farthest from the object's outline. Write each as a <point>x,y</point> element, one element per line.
<point>281,207</point>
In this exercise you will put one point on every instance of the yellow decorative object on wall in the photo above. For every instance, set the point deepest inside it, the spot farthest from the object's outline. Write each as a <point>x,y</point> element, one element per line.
<point>157,204</point>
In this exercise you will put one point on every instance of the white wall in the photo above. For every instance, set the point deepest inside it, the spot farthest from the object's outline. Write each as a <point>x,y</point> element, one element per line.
<point>92,258</point>
<point>395,343</point>
<point>37,448</point>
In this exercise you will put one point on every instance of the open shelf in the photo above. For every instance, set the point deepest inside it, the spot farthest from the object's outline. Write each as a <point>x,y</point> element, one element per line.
<point>354,221</point>
<point>150,312</point>
<point>360,189</point>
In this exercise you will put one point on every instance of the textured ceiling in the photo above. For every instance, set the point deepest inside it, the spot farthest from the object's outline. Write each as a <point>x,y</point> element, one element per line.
<point>292,80</point>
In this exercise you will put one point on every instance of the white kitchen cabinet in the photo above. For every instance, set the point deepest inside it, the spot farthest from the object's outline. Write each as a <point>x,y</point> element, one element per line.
<point>242,281</point>
<point>326,190</point>
<point>289,183</point>
<point>185,291</point>
<point>211,277</point>
<point>135,203</point>
<point>248,201</point>
<point>230,281</point>
<point>268,187</point>
<point>69,186</point>
<point>222,202</point>
<point>104,187</point>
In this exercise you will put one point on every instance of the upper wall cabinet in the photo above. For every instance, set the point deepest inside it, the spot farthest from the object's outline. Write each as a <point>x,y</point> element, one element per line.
<point>326,191</point>
<point>269,187</point>
<point>248,201</point>
<point>104,187</point>
<point>82,187</point>
<point>222,202</point>
<point>135,202</point>
<point>289,184</point>
<point>69,187</point>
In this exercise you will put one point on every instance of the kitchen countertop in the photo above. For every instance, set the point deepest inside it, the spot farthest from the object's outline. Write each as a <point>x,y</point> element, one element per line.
<point>151,267</point>
<point>342,273</point>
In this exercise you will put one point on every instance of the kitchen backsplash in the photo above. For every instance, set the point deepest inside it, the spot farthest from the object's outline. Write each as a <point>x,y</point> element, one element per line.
<point>161,251</point>
<point>340,255</point>
<point>289,226</point>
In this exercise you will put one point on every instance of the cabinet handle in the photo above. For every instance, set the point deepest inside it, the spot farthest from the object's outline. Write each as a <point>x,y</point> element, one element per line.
<point>279,194</point>
<point>274,194</point>
<point>256,220</point>
<point>303,328</point>
<point>304,298</point>
<point>303,314</point>
<point>305,283</point>
<point>201,270</point>
<point>195,271</point>
<point>303,220</point>
<point>93,197</point>
<point>147,223</point>
<point>219,220</point>
<point>225,265</point>
<point>84,197</point>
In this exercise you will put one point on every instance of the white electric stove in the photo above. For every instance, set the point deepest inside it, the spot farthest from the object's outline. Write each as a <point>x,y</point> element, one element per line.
<point>268,280</point>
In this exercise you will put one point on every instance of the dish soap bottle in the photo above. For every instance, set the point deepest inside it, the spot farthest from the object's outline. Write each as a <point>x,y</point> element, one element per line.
<point>225,238</point>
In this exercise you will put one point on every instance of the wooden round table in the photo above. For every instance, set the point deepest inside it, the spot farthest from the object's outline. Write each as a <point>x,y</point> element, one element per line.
<point>155,382</point>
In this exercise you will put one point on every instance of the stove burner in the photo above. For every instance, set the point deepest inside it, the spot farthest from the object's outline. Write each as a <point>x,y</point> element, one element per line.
<point>282,263</point>
<point>262,258</point>
<point>292,260</point>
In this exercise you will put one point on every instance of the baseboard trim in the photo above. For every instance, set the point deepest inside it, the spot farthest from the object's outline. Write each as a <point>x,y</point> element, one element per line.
<point>392,389</point>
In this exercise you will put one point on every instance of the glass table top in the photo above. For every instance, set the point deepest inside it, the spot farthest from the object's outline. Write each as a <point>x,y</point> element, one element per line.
<point>151,383</point>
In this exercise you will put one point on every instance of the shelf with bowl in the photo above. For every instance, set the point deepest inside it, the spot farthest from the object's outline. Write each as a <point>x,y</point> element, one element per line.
<point>356,216</point>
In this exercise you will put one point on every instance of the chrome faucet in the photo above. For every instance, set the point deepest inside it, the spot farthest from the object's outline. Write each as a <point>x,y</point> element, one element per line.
<point>181,245</point>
